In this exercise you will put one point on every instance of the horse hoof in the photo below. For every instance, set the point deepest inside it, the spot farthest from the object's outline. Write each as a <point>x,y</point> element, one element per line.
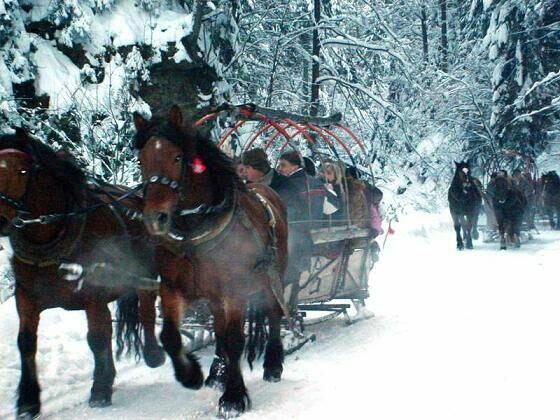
<point>469,246</point>
<point>234,403</point>
<point>503,248</point>
<point>460,247</point>
<point>190,376</point>
<point>154,357</point>
<point>28,412</point>
<point>272,374</point>
<point>100,401</point>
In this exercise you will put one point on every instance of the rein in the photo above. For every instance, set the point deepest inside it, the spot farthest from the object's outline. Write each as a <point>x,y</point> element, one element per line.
<point>19,222</point>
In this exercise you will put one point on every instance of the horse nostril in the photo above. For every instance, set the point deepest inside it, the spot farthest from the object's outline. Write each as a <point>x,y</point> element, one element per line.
<point>162,218</point>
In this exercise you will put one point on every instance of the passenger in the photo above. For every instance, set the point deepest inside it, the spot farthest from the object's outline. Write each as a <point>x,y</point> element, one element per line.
<point>373,198</point>
<point>311,198</point>
<point>357,203</point>
<point>258,170</point>
<point>305,204</point>
<point>240,169</point>
<point>332,176</point>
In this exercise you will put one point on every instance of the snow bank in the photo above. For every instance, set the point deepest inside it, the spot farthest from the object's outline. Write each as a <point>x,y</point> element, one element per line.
<point>57,76</point>
<point>63,357</point>
<point>128,24</point>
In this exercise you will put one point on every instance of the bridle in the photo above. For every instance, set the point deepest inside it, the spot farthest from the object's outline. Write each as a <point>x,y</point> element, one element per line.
<point>176,186</point>
<point>465,179</point>
<point>22,211</point>
<point>507,193</point>
<point>19,204</point>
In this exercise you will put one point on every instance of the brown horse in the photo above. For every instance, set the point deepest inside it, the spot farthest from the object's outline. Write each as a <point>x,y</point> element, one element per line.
<point>220,241</point>
<point>34,182</point>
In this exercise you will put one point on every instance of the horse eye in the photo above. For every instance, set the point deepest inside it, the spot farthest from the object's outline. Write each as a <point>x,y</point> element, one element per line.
<point>178,159</point>
<point>23,172</point>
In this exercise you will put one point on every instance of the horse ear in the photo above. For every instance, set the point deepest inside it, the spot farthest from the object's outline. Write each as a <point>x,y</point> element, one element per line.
<point>140,123</point>
<point>456,163</point>
<point>176,116</point>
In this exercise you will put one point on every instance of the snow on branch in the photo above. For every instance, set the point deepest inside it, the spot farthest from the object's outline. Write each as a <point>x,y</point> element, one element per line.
<point>550,78</point>
<point>376,98</point>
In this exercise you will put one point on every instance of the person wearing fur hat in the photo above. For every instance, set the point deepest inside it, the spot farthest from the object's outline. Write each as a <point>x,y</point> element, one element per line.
<point>258,170</point>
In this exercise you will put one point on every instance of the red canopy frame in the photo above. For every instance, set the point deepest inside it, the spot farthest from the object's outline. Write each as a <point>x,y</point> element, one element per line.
<point>281,122</point>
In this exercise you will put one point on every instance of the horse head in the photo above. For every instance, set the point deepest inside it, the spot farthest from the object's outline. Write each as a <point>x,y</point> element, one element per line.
<point>182,171</point>
<point>463,174</point>
<point>503,186</point>
<point>16,165</point>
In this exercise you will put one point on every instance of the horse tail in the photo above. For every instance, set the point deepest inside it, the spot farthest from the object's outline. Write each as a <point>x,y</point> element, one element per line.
<point>257,334</point>
<point>128,326</point>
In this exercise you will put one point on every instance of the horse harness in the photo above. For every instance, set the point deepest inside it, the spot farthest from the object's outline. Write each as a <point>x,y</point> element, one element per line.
<point>204,241</point>
<point>64,245</point>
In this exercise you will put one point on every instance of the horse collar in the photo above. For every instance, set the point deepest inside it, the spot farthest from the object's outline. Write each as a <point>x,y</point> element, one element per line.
<point>204,240</point>
<point>51,253</point>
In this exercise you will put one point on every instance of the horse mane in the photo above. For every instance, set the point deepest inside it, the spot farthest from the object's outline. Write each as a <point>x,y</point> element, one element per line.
<point>60,167</point>
<point>221,168</point>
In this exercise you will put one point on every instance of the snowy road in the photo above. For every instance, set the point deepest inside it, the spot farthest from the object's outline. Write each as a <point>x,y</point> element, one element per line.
<point>469,335</point>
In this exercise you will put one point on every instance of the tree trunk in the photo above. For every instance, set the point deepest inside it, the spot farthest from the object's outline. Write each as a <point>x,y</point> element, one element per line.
<point>424,21</point>
<point>316,52</point>
<point>305,90</point>
<point>444,39</point>
<point>270,88</point>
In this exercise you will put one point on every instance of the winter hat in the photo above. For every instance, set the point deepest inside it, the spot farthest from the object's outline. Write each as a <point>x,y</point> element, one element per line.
<point>309,166</point>
<point>257,159</point>
<point>292,157</point>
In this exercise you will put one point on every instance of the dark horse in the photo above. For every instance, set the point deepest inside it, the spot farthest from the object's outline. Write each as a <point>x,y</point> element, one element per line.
<point>551,197</point>
<point>34,181</point>
<point>220,241</point>
<point>509,205</point>
<point>465,199</point>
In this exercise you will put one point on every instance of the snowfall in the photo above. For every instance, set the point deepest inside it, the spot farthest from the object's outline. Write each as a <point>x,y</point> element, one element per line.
<point>456,335</point>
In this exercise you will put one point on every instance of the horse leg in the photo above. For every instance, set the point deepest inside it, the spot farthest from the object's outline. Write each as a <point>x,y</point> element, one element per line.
<point>154,355</point>
<point>235,399</point>
<point>550,214</point>
<point>100,332</point>
<point>517,222</point>
<point>502,231</point>
<point>274,352</point>
<point>217,376</point>
<point>457,227</point>
<point>557,227</point>
<point>28,402</point>
<point>186,366</point>
<point>468,227</point>
<point>475,233</point>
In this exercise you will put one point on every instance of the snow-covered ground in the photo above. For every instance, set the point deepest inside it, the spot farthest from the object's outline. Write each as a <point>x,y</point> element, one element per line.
<point>457,335</point>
